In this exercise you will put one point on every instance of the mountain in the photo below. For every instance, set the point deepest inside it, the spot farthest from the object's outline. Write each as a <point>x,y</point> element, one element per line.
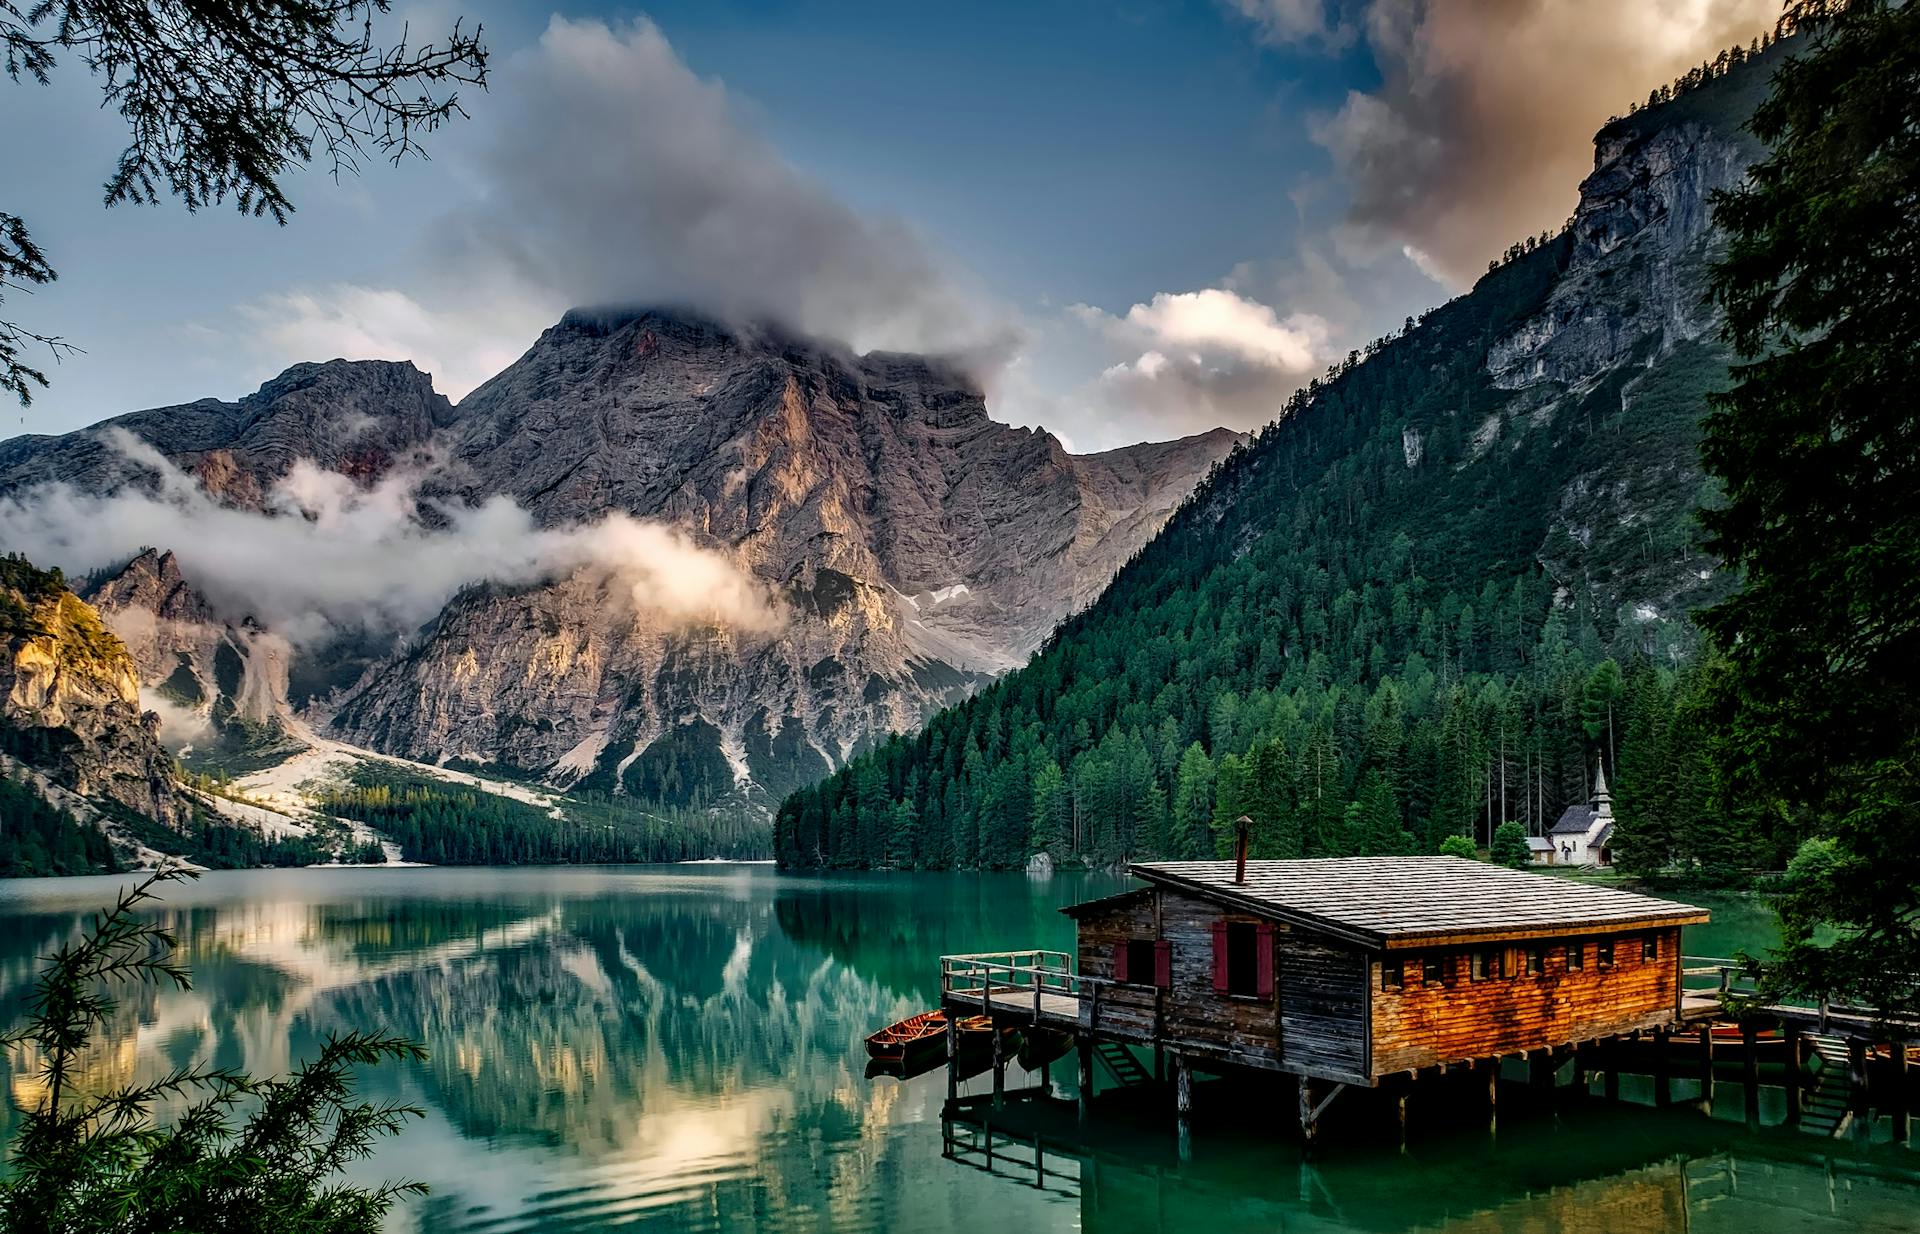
<point>70,701</point>
<point>1426,601</point>
<point>917,548</point>
<point>912,548</point>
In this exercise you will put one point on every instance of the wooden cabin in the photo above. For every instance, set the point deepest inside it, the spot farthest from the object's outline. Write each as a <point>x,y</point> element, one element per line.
<point>1352,969</point>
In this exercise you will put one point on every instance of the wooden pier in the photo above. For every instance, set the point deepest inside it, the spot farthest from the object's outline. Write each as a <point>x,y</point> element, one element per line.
<point>1379,972</point>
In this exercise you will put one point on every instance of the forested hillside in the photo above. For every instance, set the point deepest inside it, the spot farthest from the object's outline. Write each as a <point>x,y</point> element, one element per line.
<point>1446,583</point>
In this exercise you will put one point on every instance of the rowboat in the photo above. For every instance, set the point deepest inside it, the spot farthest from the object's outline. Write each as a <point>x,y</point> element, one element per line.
<point>919,1043</point>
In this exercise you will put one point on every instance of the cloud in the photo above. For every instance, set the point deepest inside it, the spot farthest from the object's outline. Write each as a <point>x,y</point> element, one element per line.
<point>1481,128</point>
<point>610,173</point>
<point>1293,21</point>
<point>1197,359</point>
<point>463,342</point>
<point>326,555</point>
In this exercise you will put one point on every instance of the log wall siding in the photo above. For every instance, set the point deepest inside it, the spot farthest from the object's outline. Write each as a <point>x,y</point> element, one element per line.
<point>1242,1028</point>
<point>1419,1026</point>
<point>1315,1019</point>
<point>1323,1005</point>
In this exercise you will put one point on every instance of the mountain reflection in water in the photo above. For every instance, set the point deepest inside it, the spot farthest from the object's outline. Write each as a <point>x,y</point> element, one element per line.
<point>681,1047</point>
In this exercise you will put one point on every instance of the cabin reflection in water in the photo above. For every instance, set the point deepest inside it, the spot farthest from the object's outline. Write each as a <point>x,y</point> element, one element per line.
<point>1607,1171</point>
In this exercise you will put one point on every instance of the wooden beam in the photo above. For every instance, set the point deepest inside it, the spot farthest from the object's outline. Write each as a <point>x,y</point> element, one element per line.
<point>1791,1033</point>
<point>1902,1096</point>
<point>1750,1070</point>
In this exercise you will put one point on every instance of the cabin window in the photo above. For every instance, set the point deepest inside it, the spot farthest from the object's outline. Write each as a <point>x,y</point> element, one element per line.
<point>1536,961</point>
<point>1576,957</point>
<point>1393,975</point>
<point>1604,948</point>
<point>1144,961</point>
<point>1650,947</point>
<point>1486,965</point>
<point>1434,970</point>
<point>1243,958</point>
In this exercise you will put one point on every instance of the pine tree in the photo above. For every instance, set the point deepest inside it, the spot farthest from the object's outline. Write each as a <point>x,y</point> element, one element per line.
<point>1817,713</point>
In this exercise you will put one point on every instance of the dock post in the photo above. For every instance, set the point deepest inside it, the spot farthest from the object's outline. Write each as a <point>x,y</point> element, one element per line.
<point>1791,1032</point>
<point>1492,1068</point>
<point>1580,1053</point>
<point>1662,1084</point>
<point>1750,1071</point>
<point>1901,1108</point>
<point>1083,1046</point>
<point>1309,1125</point>
<point>1706,1067</point>
<point>1857,1078</point>
<point>953,1058</point>
<point>1183,1102</point>
<point>999,1065</point>
<point>1400,1109</point>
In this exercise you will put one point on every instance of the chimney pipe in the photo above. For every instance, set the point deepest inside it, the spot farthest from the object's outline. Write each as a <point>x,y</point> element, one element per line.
<point>1240,849</point>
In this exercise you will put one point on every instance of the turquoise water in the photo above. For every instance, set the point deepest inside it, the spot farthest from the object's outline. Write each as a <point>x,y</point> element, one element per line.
<point>679,1048</point>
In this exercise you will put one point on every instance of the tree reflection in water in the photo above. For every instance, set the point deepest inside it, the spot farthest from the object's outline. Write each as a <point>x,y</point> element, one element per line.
<point>681,1047</point>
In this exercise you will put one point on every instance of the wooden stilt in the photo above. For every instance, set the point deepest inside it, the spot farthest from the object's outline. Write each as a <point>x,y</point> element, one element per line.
<point>1750,1072</point>
<point>1182,1086</point>
<point>1857,1078</point>
<point>1706,1067</point>
<point>1580,1052</point>
<point>1400,1110</point>
<point>1662,1084</point>
<point>1901,1103</point>
<point>999,1066</point>
<point>1309,1127</point>
<point>953,1058</point>
<point>1083,1047</point>
<point>1542,1068</point>
<point>1795,1076</point>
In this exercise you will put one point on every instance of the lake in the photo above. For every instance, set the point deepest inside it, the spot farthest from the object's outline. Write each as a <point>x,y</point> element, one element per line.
<point>679,1048</point>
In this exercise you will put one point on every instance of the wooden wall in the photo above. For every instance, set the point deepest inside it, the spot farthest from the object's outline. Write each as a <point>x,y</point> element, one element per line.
<point>1323,1005</point>
<point>1419,1026</point>
<point>1314,1020</point>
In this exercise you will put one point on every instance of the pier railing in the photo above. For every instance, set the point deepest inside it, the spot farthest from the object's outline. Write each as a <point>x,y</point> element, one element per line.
<point>1013,979</point>
<point>1045,986</point>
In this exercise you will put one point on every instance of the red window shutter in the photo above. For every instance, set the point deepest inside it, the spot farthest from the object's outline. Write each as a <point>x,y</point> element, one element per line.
<point>1263,969</point>
<point>1120,961</point>
<point>1220,956</point>
<point>1163,964</point>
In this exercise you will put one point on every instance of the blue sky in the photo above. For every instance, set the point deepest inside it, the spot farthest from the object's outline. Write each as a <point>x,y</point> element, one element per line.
<point>1138,219</point>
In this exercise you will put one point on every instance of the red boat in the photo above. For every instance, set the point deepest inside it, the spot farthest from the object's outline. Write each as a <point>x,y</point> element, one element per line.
<point>919,1042</point>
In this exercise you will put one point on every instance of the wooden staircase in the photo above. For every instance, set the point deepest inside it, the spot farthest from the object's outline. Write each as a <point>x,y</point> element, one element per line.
<point>1827,1108</point>
<point>1121,1063</point>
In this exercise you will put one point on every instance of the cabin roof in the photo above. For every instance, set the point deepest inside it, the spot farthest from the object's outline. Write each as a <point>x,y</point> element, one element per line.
<point>1112,901</point>
<point>1397,903</point>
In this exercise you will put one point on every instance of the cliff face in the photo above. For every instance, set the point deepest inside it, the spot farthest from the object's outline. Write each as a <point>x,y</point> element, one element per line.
<point>356,417</point>
<point>70,699</point>
<point>914,546</point>
<point>216,684</point>
<point>1626,332</point>
<point>917,547</point>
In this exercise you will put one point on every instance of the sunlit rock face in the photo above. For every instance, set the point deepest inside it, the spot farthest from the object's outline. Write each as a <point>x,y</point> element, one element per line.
<point>916,547</point>
<point>910,547</point>
<point>70,706</point>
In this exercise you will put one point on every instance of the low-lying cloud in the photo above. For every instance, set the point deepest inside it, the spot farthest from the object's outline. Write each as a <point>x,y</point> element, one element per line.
<point>327,555</point>
<point>609,173</point>
<point>1192,360</point>
<point>1479,132</point>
